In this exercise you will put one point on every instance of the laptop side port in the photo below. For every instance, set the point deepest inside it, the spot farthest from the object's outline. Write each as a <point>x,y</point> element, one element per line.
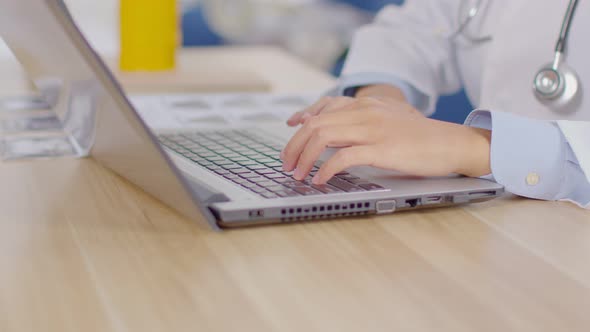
<point>256,213</point>
<point>482,194</point>
<point>387,206</point>
<point>431,200</point>
<point>413,202</point>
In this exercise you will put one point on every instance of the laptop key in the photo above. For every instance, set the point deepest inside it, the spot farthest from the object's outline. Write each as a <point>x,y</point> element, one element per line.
<point>326,189</point>
<point>287,193</point>
<point>274,163</point>
<point>247,163</point>
<point>258,190</point>
<point>293,183</point>
<point>204,163</point>
<point>206,154</point>
<point>187,154</point>
<point>248,185</point>
<point>282,179</point>
<point>249,153</point>
<point>275,188</point>
<point>267,183</point>
<point>238,159</point>
<point>307,181</point>
<point>257,167</point>
<point>213,167</point>
<point>274,175</point>
<point>358,182</point>
<point>231,166</point>
<point>240,170</point>
<point>223,162</point>
<point>348,177</point>
<point>269,195</point>
<point>216,158</point>
<point>230,155</point>
<point>222,171</point>
<point>265,171</point>
<point>266,160</point>
<point>256,179</point>
<point>248,175</point>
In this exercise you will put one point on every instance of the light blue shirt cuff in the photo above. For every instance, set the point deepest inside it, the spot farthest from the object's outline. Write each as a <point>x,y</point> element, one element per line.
<point>414,97</point>
<point>532,158</point>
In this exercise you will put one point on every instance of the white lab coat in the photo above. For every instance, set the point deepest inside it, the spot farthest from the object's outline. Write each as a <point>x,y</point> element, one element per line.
<point>409,42</point>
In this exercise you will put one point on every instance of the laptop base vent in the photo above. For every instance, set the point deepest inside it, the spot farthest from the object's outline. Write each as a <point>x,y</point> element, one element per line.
<point>325,211</point>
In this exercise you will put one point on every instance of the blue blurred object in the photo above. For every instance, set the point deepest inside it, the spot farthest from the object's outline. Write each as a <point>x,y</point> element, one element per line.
<point>370,5</point>
<point>454,108</point>
<point>196,32</point>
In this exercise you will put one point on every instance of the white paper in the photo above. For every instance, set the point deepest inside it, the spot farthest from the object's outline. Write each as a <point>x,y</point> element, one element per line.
<point>196,110</point>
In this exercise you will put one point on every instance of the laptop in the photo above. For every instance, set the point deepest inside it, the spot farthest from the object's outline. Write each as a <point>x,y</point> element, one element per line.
<point>221,176</point>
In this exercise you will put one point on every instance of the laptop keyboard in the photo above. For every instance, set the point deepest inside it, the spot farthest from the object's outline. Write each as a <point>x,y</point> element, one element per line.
<point>253,162</point>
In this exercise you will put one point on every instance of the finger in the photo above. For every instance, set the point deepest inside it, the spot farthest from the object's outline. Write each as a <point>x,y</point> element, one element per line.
<point>362,155</point>
<point>361,104</point>
<point>328,136</point>
<point>295,119</point>
<point>337,105</point>
<point>292,151</point>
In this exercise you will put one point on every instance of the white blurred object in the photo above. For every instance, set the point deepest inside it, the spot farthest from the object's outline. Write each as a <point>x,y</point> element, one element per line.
<point>98,20</point>
<point>318,31</point>
<point>4,50</point>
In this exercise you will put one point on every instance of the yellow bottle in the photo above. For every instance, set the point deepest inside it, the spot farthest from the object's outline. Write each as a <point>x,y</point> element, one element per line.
<point>149,35</point>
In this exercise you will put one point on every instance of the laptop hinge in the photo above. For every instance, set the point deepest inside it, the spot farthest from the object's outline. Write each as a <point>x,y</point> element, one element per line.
<point>205,193</point>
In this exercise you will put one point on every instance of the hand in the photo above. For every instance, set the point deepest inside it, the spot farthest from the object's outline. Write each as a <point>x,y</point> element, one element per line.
<point>384,93</point>
<point>377,135</point>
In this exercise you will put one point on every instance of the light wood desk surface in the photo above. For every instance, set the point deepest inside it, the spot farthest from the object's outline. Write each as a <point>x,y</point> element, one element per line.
<point>83,250</point>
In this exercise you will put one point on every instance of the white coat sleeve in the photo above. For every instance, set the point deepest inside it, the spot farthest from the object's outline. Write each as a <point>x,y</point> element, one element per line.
<point>408,43</point>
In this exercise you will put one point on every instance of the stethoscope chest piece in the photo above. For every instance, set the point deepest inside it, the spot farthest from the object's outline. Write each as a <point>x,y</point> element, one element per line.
<point>557,87</point>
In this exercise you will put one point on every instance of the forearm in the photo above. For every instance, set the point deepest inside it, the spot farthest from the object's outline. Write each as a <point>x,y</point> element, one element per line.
<point>474,143</point>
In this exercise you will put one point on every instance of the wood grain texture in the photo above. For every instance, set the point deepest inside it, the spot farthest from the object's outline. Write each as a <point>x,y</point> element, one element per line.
<point>81,249</point>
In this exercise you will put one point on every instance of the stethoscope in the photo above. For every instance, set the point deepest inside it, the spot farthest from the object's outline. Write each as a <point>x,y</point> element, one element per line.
<point>556,85</point>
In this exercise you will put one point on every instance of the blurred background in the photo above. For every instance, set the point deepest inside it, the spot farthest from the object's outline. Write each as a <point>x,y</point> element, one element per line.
<point>317,31</point>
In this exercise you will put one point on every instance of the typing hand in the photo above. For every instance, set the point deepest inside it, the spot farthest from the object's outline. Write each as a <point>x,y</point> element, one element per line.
<point>388,135</point>
<point>385,94</point>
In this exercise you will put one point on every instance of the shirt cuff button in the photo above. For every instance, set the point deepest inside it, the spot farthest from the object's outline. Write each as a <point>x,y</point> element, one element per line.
<point>533,179</point>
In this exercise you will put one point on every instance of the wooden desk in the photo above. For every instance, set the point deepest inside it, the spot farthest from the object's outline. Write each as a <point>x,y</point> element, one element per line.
<point>83,250</point>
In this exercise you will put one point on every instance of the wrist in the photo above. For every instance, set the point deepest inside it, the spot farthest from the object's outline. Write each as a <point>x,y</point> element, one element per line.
<point>475,152</point>
<point>381,91</point>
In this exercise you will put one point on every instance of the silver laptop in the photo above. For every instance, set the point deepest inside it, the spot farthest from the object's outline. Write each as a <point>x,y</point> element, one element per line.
<point>223,177</point>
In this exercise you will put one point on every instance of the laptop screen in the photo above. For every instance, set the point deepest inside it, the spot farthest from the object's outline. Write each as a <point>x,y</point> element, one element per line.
<point>89,101</point>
